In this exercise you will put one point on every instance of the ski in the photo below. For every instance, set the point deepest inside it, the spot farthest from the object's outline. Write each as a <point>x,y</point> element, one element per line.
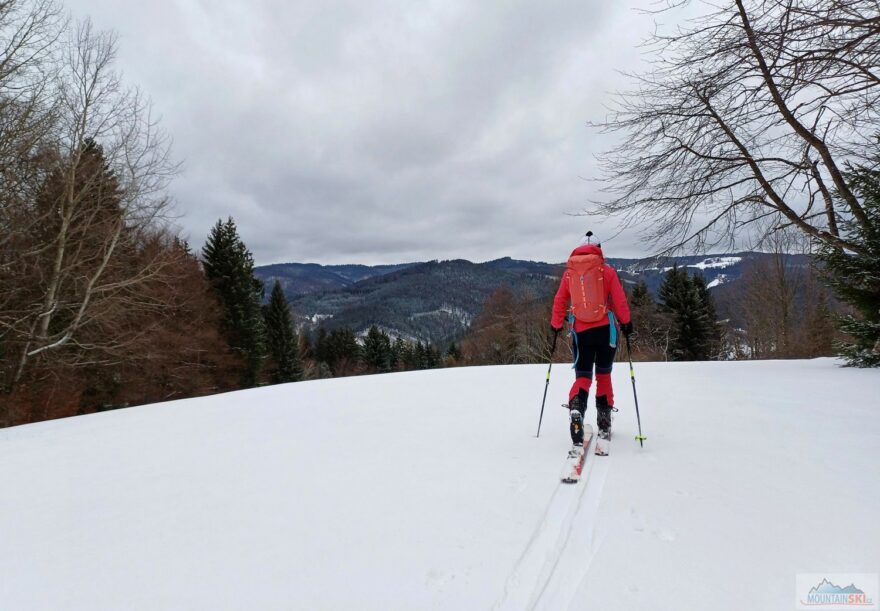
<point>577,456</point>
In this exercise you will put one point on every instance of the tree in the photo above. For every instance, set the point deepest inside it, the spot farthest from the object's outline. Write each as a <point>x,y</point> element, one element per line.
<point>376,352</point>
<point>229,266</point>
<point>651,327</point>
<point>339,350</point>
<point>281,339</point>
<point>403,354</point>
<point>87,195</point>
<point>496,332</point>
<point>690,323</point>
<point>819,328</point>
<point>751,113</point>
<point>856,278</point>
<point>453,354</point>
<point>707,305</point>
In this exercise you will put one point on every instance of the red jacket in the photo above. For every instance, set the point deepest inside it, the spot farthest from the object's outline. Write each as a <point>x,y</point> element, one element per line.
<point>615,296</point>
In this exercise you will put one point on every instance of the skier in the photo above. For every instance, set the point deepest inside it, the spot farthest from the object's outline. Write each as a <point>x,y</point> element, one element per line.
<point>597,304</point>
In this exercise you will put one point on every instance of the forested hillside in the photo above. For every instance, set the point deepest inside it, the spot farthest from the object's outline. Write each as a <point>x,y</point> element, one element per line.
<point>436,301</point>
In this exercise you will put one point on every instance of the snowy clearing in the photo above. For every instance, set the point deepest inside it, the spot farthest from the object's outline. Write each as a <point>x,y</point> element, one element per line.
<point>717,262</point>
<point>429,490</point>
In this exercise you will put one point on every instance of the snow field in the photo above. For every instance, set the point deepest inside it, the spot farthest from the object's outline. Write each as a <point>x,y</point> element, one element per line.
<point>429,490</point>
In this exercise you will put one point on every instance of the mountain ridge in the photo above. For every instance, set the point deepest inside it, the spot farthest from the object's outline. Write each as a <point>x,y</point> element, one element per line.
<point>435,301</point>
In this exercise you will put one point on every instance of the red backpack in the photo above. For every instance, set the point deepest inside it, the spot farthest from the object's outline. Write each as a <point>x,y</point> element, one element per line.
<point>587,285</point>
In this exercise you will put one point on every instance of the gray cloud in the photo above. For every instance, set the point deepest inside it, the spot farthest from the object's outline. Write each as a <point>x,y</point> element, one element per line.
<point>382,131</point>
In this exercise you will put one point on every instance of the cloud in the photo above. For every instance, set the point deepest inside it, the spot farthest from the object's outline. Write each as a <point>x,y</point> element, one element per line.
<point>385,131</point>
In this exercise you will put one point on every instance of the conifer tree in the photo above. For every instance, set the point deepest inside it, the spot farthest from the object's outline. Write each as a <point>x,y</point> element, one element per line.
<point>690,327</point>
<point>453,353</point>
<point>339,349</point>
<point>376,351</point>
<point>419,357</point>
<point>281,339</point>
<point>229,266</point>
<point>713,342</point>
<point>432,357</point>
<point>855,278</point>
<point>651,326</point>
<point>398,349</point>
<point>406,354</point>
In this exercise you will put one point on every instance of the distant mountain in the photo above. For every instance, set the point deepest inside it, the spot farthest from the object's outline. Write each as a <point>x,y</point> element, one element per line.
<point>718,269</point>
<point>303,278</point>
<point>437,300</point>
<point>434,301</point>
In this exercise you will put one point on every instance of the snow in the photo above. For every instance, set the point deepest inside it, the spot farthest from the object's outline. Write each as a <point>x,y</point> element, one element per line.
<point>716,262</point>
<point>429,490</point>
<point>721,279</point>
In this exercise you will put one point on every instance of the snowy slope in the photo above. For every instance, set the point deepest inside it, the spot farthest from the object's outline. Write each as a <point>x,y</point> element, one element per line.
<point>428,490</point>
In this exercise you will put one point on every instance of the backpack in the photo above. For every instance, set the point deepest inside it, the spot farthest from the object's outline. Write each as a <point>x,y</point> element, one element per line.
<point>587,287</point>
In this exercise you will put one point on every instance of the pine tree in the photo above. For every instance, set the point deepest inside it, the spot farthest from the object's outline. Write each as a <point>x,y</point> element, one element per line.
<point>339,349</point>
<point>855,278</point>
<point>651,327</point>
<point>690,325</point>
<point>420,357</point>
<point>713,342</point>
<point>453,353</point>
<point>407,356</point>
<point>229,266</point>
<point>640,296</point>
<point>398,350</point>
<point>432,357</point>
<point>281,339</point>
<point>376,351</point>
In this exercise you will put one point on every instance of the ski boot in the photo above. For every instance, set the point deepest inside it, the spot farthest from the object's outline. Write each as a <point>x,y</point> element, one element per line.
<point>576,408</point>
<point>603,417</point>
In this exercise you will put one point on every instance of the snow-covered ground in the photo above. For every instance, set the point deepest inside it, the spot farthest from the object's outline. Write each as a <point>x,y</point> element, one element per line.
<point>429,490</point>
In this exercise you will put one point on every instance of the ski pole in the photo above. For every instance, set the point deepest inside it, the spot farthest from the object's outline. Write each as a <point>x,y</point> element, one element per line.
<point>547,384</point>
<point>640,438</point>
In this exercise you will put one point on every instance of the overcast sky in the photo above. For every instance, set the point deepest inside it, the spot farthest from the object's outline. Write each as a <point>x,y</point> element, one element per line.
<point>383,131</point>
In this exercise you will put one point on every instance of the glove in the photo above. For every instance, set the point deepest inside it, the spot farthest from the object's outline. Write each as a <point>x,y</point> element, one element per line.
<point>626,328</point>
<point>556,330</point>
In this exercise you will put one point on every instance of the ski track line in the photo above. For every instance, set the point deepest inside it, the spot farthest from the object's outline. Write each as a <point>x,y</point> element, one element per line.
<point>576,553</point>
<point>541,553</point>
<point>538,550</point>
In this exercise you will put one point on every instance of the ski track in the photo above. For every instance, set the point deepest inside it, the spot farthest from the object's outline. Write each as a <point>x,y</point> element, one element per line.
<point>559,552</point>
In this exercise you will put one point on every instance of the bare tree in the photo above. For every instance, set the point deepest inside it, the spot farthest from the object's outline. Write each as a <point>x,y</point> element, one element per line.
<point>101,200</point>
<point>750,113</point>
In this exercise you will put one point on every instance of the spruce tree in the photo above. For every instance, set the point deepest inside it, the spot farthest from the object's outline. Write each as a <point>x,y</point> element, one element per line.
<point>432,357</point>
<point>419,356</point>
<point>855,277</point>
<point>398,349</point>
<point>690,326</point>
<point>281,339</point>
<point>339,349</point>
<point>641,296</point>
<point>453,353</point>
<point>376,351</point>
<point>407,354</point>
<point>229,266</point>
<point>651,326</point>
<point>712,328</point>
